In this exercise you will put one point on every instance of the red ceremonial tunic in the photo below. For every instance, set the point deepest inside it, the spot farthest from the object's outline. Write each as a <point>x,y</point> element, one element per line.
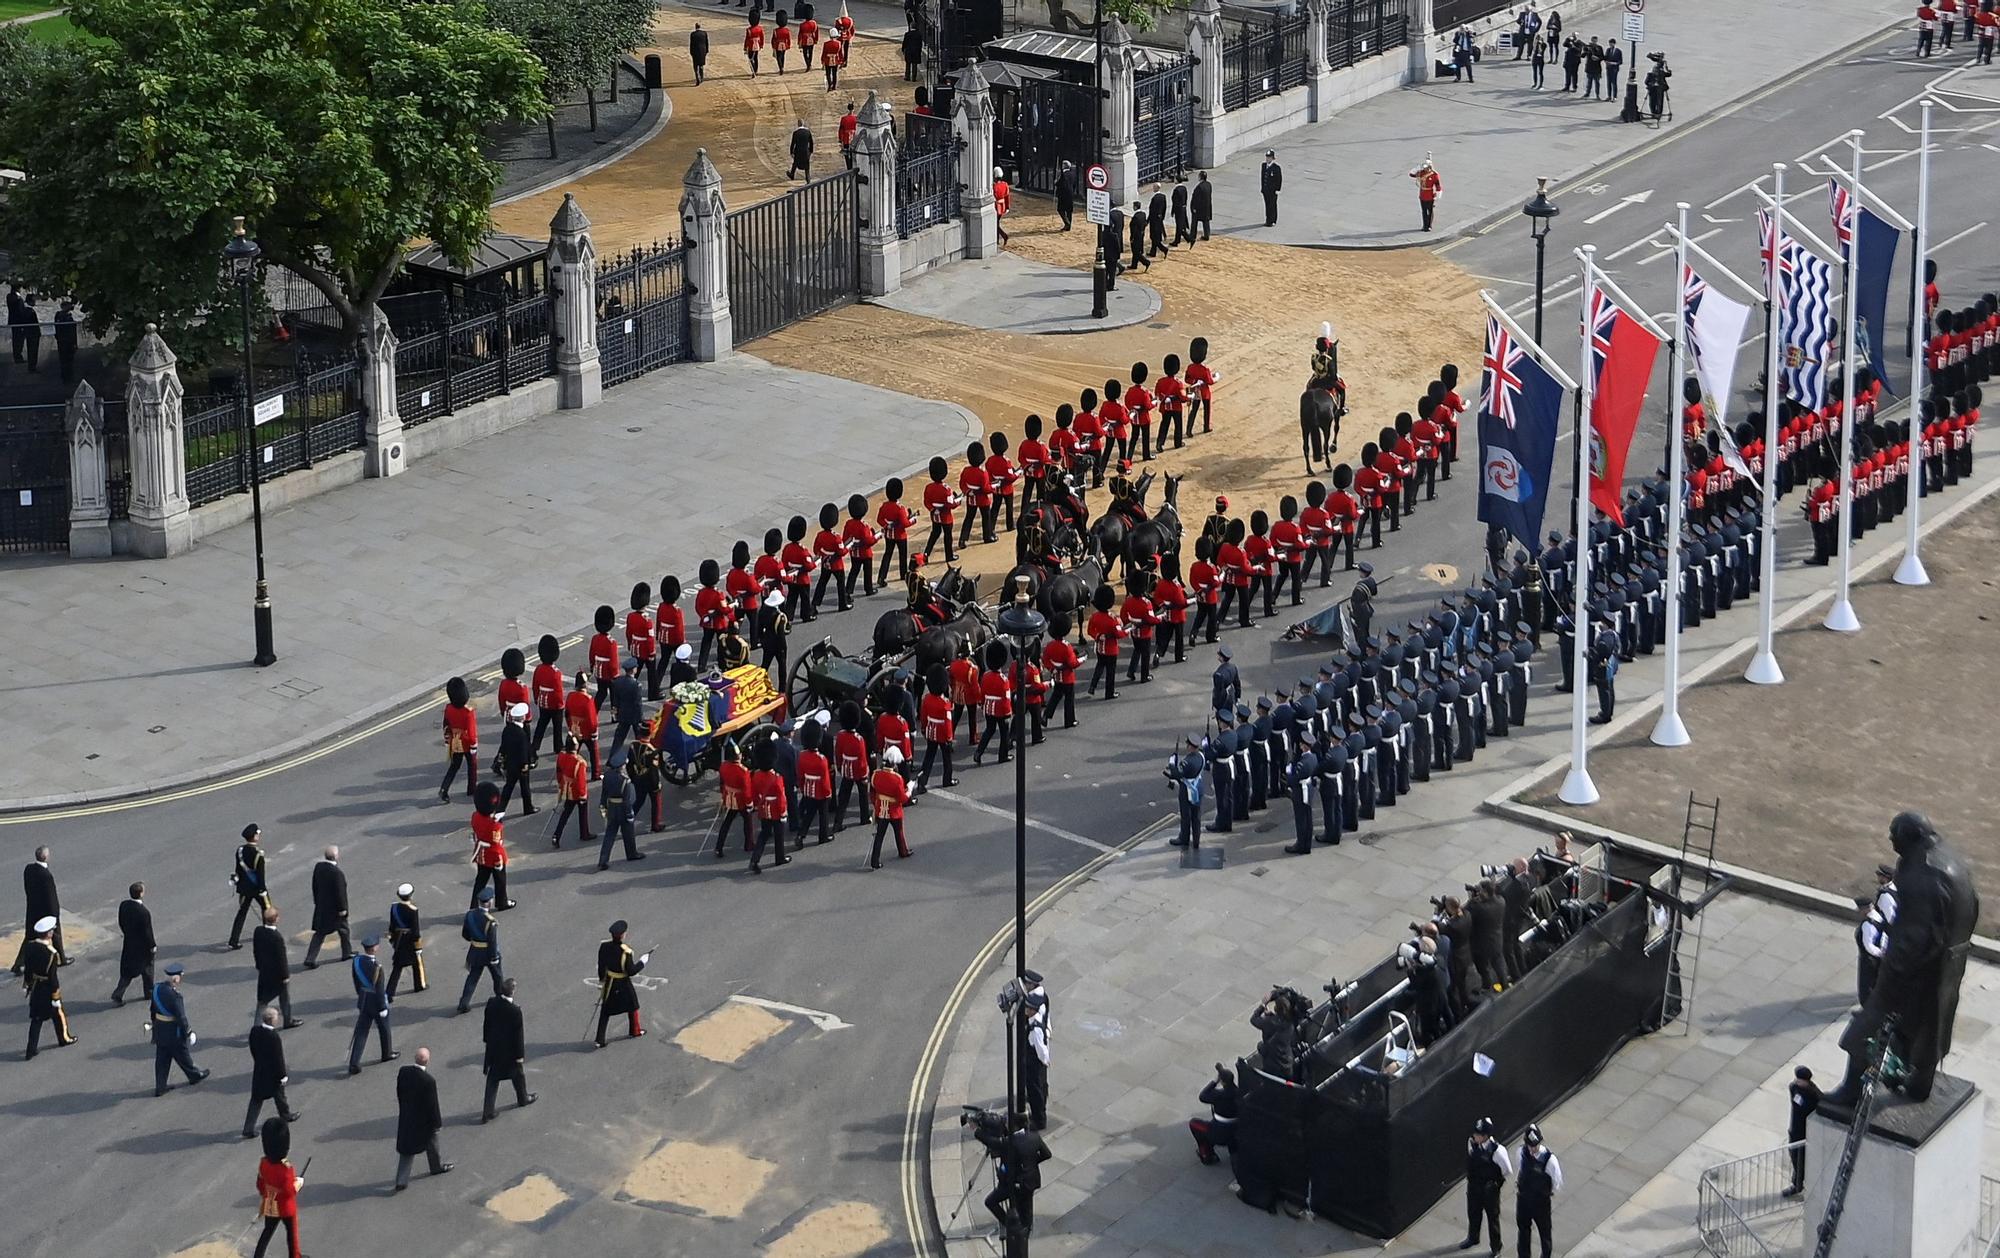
<point>767,794</point>
<point>889,794</point>
<point>461,728</point>
<point>1059,658</point>
<point>603,657</point>
<point>1106,633</point>
<point>581,710</point>
<point>815,776</point>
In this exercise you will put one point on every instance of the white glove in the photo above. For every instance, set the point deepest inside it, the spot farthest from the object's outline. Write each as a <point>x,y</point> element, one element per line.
<point>193,1039</point>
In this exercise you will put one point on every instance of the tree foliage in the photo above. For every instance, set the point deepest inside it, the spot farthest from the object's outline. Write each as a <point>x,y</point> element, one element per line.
<point>342,129</point>
<point>576,40</point>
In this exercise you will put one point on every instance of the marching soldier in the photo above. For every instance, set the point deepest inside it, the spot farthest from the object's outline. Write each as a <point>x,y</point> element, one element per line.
<point>489,844</point>
<point>1001,478</point>
<point>572,792</point>
<point>172,1037</point>
<point>934,715</point>
<point>1170,599</point>
<point>641,639</point>
<point>712,609</point>
<point>546,688</point>
<point>767,797</point>
<point>137,946</point>
<point>815,783</point>
<point>1105,634</point>
<point>996,703</point>
<point>889,792</point>
<point>371,1001</point>
<point>616,967</point>
<point>580,709</point>
<point>406,941</point>
<point>894,520</point>
<point>274,968</point>
<point>619,800</point>
<point>39,962</point>
<point>481,932</point>
<point>830,552</point>
<point>1059,663</point>
<point>506,1057</point>
<point>941,501</point>
<point>249,880</point>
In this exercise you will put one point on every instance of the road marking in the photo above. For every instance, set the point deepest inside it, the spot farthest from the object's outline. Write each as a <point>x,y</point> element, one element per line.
<point>1653,240</point>
<point>1637,198</point>
<point>1501,279</point>
<point>981,806</point>
<point>818,1017</point>
<point>1952,240</point>
<point>916,1208</point>
<point>1710,218</point>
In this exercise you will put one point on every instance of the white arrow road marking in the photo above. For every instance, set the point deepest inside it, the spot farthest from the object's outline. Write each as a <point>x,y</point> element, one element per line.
<point>1637,198</point>
<point>981,806</point>
<point>1713,219</point>
<point>819,1017</point>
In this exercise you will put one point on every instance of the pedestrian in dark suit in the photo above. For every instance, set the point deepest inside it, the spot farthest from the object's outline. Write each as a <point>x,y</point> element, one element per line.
<point>698,52</point>
<point>39,882</point>
<point>1156,224</point>
<point>1271,181</point>
<point>267,1072</point>
<point>628,704</point>
<point>418,1120</point>
<point>66,326</point>
<point>1135,225</point>
<point>137,949</point>
<point>1514,892</point>
<point>371,1003</point>
<point>506,1050</point>
<point>274,968</point>
<point>1201,204</point>
<point>1182,231</point>
<point>173,1038</point>
<point>329,885</point>
<point>802,151</point>
<point>1066,193</point>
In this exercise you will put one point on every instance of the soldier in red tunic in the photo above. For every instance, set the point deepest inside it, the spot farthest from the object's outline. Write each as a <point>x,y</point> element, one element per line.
<point>850,764</point>
<point>1371,486</point>
<point>639,637</point>
<point>513,665</point>
<point>1062,443</point>
<point>1205,583</point>
<point>1034,462</point>
<point>489,845</point>
<point>603,651</point>
<point>580,711</point>
<point>895,520</point>
<point>889,794</point>
<point>1138,617</point>
<point>1059,662</point>
<point>1200,385</point>
<point>735,802</point>
<point>747,583</point>
<point>1171,600</point>
<point>798,571</point>
<point>996,691</point>
<point>977,490</point>
<point>1105,633</point>
<point>278,1188</point>
<point>1171,395</point>
<point>669,624</point>
<point>767,796</point>
<point>1237,577</point>
<point>461,738</point>
<point>1316,528</point>
<point>1288,549</point>
<point>712,610</point>
<point>858,538</point>
<point>547,690</point>
<point>829,551</point>
<point>892,730</point>
<point>942,502</point>
<point>1114,422</point>
<point>1454,407</point>
<point>815,783</point>
<point>1001,477</point>
<point>1139,409</point>
<point>934,718</point>
<point>965,693</point>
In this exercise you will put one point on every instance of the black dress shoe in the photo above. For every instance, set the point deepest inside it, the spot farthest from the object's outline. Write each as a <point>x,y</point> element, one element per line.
<point>312,965</point>
<point>199,1075</point>
<point>355,1070</point>
<point>392,1056</point>
<point>295,1023</point>
<point>445,1169</point>
<point>532,1098</point>
<point>294,1116</point>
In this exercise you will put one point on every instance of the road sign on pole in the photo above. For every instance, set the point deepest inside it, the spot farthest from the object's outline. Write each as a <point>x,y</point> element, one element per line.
<point>1635,6</point>
<point>1097,206</point>
<point>1635,26</point>
<point>1097,178</point>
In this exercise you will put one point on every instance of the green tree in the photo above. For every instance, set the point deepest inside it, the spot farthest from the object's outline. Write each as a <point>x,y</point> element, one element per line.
<point>343,129</point>
<point>576,41</point>
<point>1075,16</point>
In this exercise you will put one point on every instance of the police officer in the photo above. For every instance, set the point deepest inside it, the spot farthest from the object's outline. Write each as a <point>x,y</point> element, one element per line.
<point>371,1003</point>
<point>1540,1180</point>
<point>1035,1057</point>
<point>1871,937</point>
<point>1804,1097</point>
<point>172,1037</point>
<point>481,932</point>
<point>1185,771</point>
<point>1300,780</point>
<point>406,940</point>
<point>252,886</point>
<point>1486,1170</point>
<point>616,967</point>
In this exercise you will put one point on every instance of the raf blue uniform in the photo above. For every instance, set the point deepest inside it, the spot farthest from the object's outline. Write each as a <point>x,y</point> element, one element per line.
<point>371,1001</point>
<point>1225,686</point>
<point>172,1037</point>
<point>1221,774</point>
<point>1260,754</point>
<point>1185,773</point>
<point>1300,779</point>
<point>482,949</point>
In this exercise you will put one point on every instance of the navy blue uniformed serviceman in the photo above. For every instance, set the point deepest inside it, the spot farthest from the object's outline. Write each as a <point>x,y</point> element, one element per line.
<point>1185,771</point>
<point>1225,686</point>
<point>1222,769</point>
<point>406,940</point>
<point>39,961</point>
<point>371,1003</point>
<point>1260,754</point>
<point>250,881</point>
<point>616,968</point>
<point>173,1038</point>
<point>481,932</point>
<point>1301,777</point>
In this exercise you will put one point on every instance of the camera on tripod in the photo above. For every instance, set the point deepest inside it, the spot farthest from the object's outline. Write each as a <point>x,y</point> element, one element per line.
<point>984,1122</point>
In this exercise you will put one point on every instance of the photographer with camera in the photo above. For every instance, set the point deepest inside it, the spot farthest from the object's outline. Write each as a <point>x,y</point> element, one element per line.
<point>1018,1155</point>
<point>1277,1019</point>
<point>1218,1130</point>
<point>1656,84</point>
<point>1489,933</point>
<point>1455,930</point>
<point>1417,957</point>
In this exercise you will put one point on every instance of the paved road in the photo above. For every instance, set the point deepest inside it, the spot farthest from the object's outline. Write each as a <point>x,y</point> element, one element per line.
<point>879,951</point>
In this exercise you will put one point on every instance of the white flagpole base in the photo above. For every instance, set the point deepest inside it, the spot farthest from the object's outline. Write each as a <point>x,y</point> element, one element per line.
<point>1841,619</point>
<point>1911,571</point>
<point>1669,731</point>
<point>1577,788</point>
<point>1764,671</point>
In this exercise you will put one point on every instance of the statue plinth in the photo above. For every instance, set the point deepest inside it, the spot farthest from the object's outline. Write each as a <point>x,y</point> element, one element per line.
<point>1915,1188</point>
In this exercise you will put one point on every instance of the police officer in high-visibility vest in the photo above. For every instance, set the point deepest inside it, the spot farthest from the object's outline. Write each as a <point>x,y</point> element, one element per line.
<point>1486,1171</point>
<point>1540,1180</point>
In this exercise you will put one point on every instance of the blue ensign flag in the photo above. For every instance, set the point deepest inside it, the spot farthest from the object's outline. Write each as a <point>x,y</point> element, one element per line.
<point>1871,291</point>
<point>1519,404</point>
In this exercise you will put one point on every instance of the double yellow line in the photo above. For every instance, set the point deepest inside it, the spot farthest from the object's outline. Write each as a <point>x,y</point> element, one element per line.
<point>916,1217</point>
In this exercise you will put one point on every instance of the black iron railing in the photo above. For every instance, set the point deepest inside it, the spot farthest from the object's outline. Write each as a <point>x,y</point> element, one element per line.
<point>641,311</point>
<point>927,188</point>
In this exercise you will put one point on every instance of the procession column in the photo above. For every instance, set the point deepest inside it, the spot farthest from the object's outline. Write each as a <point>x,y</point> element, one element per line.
<point>972,119</point>
<point>705,229</point>
<point>89,503</point>
<point>161,525</point>
<point>875,157</point>
<point>573,283</point>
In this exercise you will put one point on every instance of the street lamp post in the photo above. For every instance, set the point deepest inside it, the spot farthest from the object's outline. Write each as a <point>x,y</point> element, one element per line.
<point>1541,213</point>
<point>240,254</point>
<point>1023,626</point>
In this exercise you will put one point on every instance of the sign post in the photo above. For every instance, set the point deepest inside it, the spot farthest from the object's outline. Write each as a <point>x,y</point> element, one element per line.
<point>1097,211</point>
<point>1633,31</point>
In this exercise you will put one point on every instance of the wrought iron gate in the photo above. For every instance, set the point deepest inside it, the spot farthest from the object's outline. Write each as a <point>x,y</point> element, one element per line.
<point>1053,122</point>
<point>642,311</point>
<point>794,256</point>
<point>34,479</point>
<point>1163,121</point>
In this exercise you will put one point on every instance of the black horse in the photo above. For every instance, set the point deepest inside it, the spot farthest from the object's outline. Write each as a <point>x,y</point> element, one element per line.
<point>1064,593</point>
<point>1148,542</point>
<point>939,645</point>
<point>1320,409</point>
<point>896,631</point>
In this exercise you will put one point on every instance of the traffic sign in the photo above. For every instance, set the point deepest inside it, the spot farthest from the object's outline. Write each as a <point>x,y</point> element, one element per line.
<point>1635,6</point>
<point>1098,178</point>
<point>1635,27</point>
<point>1097,204</point>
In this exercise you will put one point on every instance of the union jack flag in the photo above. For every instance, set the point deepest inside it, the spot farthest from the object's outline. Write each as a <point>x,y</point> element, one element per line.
<point>1842,208</point>
<point>1604,314</point>
<point>1692,289</point>
<point>1500,385</point>
<point>1776,244</point>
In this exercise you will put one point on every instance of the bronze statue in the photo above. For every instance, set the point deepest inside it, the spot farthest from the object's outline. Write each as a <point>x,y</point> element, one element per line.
<point>1937,907</point>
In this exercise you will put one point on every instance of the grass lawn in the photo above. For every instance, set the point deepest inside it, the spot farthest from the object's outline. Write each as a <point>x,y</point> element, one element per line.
<point>54,29</point>
<point>22,8</point>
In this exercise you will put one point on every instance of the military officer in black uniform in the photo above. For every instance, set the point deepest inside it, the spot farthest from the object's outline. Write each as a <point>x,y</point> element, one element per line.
<point>137,946</point>
<point>371,1002</point>
<point>1604,673</point>
<point>406,940</point>
<point>1221,769</point>
<point>616,967</point>
<point>252,886</point>
<point>1239,763</point>
<point>39,962</point>
<point>1185,771</point>
<point>506,1057</point>
<point>1260,754</point>
<point>1486,1170</point>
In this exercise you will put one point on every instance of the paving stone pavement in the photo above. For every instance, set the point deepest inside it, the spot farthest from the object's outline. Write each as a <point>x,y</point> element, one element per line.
<point>140,670</point>
<point>1347,179</point>
<point>1009,293</point>
<point>1155,970</point>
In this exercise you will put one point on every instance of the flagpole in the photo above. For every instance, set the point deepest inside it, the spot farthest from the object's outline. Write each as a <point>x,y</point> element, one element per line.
<point>1911,570</point>
<point>1764,670</point>
<point>1840,617</point>
<point>1577,788</point>
<point>1669,730</point>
